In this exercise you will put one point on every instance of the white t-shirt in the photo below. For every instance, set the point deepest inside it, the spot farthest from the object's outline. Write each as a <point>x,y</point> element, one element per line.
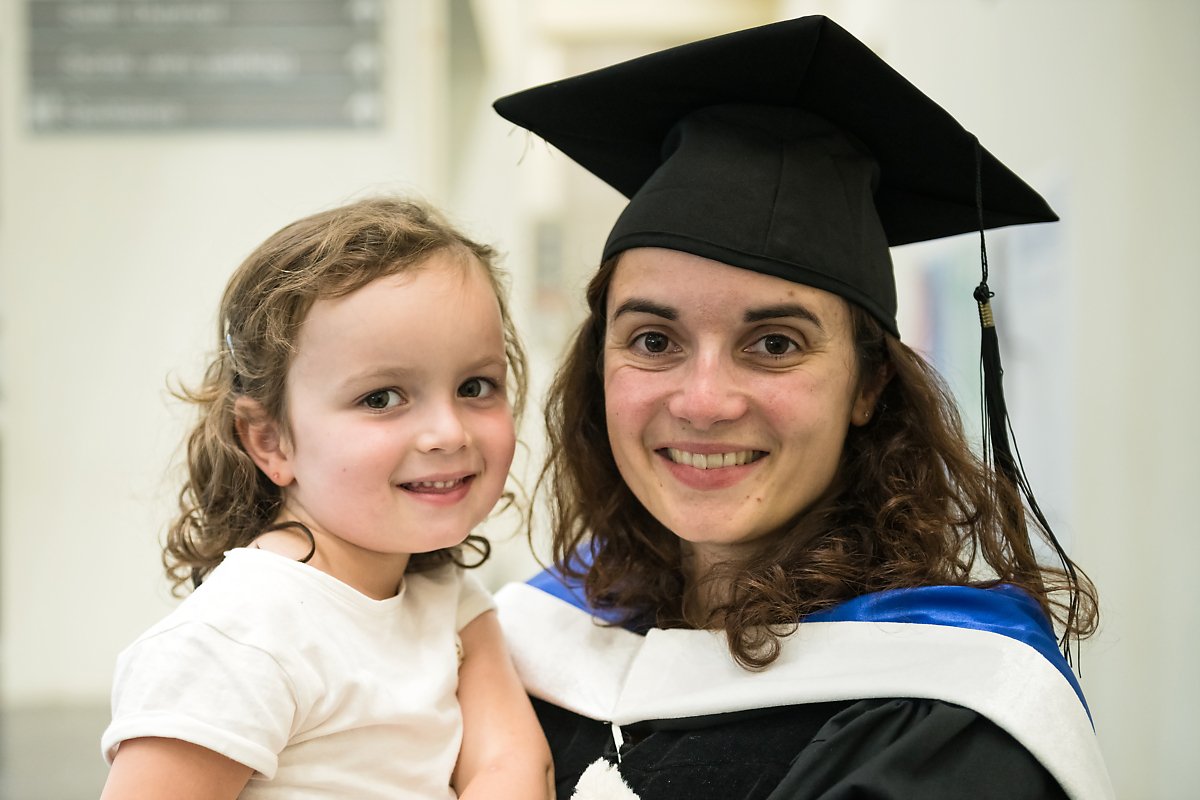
<point>323,691</point>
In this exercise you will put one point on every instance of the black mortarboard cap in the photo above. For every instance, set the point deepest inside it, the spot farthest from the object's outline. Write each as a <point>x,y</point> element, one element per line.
<point>789,149</point>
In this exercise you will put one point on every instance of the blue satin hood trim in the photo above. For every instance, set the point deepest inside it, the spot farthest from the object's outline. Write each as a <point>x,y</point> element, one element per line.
<point>553,583</point>
<point>1004,609</point>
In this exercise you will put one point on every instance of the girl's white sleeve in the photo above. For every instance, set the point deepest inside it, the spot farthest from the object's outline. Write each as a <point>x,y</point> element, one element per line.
<point>192,682</point>
<point>473,599</point>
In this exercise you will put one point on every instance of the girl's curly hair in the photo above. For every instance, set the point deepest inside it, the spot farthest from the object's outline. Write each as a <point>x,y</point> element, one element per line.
<point>226,501</point>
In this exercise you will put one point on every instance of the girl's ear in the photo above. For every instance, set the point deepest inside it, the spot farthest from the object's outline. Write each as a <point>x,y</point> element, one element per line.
<point>264,442</point>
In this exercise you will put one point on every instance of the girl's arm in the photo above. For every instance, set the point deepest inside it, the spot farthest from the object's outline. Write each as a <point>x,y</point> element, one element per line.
<point>504,754</point>
<point>172,769</point>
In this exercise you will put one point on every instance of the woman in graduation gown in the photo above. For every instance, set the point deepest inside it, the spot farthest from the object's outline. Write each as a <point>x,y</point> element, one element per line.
<point>780,571</point>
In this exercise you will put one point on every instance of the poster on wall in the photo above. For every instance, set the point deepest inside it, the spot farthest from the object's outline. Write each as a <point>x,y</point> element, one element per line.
<point>138,65</point>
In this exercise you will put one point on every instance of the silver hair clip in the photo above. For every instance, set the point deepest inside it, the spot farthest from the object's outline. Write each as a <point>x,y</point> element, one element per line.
<point>237,377</point>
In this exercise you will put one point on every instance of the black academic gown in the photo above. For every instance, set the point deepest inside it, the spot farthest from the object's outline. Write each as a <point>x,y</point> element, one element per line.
<point>832,751</point>
<point>944,692</point>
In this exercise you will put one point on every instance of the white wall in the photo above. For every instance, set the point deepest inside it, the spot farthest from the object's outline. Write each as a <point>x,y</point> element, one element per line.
<point>113,250</point>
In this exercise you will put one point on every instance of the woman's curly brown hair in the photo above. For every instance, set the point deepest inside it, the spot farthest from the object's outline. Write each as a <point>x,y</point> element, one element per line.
<point>912,505</point>
<point>226,501</point>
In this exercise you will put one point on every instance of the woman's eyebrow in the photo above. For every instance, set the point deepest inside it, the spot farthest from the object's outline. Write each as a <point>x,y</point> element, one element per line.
<point>785,310</point>
<point>637,305</point>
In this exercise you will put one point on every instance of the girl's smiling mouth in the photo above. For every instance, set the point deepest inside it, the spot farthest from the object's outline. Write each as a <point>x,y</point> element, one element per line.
<point>446,486</point>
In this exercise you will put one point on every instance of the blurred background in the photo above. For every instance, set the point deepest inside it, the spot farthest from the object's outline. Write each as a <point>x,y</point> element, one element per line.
<point>147,146</point>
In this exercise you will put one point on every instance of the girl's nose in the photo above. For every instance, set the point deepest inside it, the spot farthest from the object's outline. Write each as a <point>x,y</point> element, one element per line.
<point>442,429</point>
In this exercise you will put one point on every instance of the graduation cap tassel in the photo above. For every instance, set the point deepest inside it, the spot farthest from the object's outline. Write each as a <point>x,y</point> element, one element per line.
<point>999,442</point>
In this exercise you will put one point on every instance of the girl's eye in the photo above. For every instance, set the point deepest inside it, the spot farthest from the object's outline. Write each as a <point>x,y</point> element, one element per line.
<point>652,342</point>
<point>382,399</point>
<point>477,388</point>
<point>775,344</point>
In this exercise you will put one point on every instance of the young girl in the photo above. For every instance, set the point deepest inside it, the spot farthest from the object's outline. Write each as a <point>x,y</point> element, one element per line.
<point>355,427</point>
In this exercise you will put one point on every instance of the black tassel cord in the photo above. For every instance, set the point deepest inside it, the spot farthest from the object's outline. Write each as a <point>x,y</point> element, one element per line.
<point>999,440</point>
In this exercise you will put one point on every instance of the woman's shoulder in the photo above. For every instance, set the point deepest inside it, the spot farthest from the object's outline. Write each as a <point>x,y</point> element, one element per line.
<point>957,646</point>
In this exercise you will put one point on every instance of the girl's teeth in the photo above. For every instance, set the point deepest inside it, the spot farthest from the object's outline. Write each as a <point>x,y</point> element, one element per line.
<point>434,484</point>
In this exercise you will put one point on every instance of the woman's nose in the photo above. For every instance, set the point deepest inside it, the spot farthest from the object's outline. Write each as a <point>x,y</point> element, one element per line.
<point>707,393</point>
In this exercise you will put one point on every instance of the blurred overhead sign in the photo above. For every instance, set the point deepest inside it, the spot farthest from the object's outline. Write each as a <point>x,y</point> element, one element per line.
<point>204,64</point>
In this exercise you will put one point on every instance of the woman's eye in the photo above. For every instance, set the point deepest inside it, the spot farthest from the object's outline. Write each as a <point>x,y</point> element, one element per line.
<point>477,387</point>
<point>652,342</point>
<point>382,400</point>
<point>775,344</point>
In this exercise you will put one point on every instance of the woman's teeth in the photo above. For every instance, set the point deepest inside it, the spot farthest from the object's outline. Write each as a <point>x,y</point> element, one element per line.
<point>713,460</point>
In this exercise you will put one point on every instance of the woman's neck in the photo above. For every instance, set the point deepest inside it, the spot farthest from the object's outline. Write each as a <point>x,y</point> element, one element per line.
<point>707,581</point>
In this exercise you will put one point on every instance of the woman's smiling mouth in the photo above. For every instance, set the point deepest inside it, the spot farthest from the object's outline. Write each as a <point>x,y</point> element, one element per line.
<point>734,458</point>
